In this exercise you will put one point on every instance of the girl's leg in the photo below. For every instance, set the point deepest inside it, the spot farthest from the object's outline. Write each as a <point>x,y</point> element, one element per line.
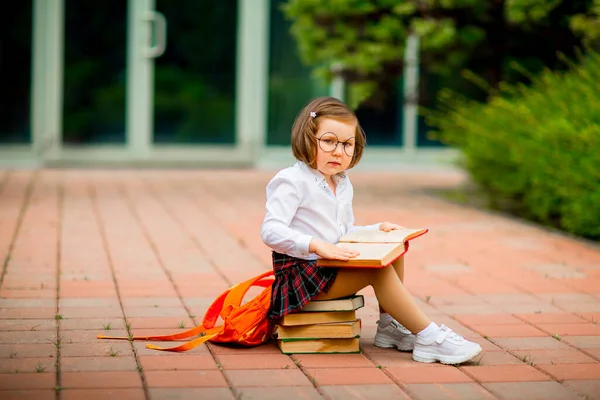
<point>432,343</point>
<point>399,267</point>
<point>390,292</point>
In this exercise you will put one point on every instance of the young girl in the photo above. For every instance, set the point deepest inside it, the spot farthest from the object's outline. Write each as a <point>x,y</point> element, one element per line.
<point>309,207</point>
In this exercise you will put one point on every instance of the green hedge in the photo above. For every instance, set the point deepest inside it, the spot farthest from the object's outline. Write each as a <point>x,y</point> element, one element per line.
<point>534,149</point>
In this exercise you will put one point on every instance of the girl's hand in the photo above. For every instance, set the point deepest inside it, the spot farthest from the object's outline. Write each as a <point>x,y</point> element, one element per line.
<point>388,226</point>
<point>331,251</point>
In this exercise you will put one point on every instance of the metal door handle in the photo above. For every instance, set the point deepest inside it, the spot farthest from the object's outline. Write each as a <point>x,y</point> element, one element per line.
<point>160,23</point>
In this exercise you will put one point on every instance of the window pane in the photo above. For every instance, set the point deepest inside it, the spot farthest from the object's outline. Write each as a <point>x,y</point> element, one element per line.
<point>15,73</point>
<point>195,78</point>
<point>381,116</point>
<point>291,85</point>
<point>94,74</point>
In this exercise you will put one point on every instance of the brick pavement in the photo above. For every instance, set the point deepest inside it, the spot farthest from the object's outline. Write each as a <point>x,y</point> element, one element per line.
<point>92,251</point>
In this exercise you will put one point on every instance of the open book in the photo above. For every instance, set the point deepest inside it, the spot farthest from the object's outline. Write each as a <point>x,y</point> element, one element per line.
<point>377,248</point>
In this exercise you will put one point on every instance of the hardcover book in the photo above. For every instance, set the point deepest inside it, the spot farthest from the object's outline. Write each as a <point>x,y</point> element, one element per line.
<point>346,304</point>
<point>377,248</point>
<point>333,330</point>
<point>298,346</point>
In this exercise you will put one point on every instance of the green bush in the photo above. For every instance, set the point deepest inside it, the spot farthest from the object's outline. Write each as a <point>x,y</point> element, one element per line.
<point>535,149</point>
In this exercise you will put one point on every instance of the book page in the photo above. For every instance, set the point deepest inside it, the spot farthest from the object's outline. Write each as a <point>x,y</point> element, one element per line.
<point>397,236</point>
<point>372,255</point>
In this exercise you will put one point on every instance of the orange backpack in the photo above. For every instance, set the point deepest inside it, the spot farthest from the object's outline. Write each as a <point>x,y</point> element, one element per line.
<point>246,325</point>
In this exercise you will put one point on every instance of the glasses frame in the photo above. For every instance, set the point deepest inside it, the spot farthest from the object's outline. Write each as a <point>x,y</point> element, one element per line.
<point>336,144</point>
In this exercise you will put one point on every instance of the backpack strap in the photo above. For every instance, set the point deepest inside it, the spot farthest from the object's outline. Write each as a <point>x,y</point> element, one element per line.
<point>233,297</point>
<point>221,306</point>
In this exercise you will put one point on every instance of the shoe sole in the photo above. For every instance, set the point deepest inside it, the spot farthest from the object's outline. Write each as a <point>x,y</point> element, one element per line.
<point>431,358</point>
<point>392,345</point>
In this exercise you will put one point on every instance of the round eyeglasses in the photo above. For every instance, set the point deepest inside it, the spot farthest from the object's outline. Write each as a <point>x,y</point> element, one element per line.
<point>328,142</point>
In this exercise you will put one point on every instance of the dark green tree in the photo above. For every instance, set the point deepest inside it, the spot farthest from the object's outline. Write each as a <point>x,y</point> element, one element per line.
<point>364,40</point>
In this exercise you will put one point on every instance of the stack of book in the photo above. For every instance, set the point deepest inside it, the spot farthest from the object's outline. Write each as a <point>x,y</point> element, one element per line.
<point>326,326</point>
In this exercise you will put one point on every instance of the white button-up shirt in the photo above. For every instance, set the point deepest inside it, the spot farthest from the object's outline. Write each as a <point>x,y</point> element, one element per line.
<point>300,206</point>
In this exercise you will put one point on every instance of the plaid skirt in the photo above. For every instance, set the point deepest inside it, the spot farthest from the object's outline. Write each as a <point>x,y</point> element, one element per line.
<point>297,281</point>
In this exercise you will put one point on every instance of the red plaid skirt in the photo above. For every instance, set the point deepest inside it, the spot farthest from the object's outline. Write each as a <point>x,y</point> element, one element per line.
<point>297,281</point>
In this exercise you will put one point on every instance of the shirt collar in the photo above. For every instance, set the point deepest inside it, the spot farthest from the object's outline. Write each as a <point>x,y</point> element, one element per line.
<point>339,177</point>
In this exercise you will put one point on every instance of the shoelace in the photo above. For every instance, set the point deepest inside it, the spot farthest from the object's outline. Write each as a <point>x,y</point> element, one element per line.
<point>446,332</point>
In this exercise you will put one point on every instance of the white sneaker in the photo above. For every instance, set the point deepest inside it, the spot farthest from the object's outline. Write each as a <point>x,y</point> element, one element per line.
<point>447,347</point>
<point>394,335</point>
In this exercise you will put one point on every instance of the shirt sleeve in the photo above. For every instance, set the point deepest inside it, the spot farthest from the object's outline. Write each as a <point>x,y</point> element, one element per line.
<point>282,204</point>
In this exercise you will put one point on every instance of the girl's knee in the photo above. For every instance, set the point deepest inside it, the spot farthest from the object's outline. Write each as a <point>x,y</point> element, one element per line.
<point>382,273</point>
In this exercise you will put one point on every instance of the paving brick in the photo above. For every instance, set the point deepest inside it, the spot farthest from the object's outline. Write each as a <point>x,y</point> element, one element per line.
<point>27,303</point>
<point>551,318</point>
<point>359,392</point>
<point>562,356</point>
<point>531,391</point>
<point>27,313</point>
<point>570,329</point>
<point>505,331</point>
<point>347,376</point>
<point>248,361</point>
<point>332,360</point>
<point>191,393</point>
<point>391,358</point>
<point>593,352</point>
<point>27,293</point>
<point>593,317</point>
<point>573,371</point>
<point>277,393</point>
<point>171,323</point>
<point>142,350</point>
<point>583,342</point>
<point>95,324</point>
<point>267,378</point>
<point>487,319</point>
<point>96,349</point>
<point>41,350</point>
<point>20,381</point>
<point>530,343</point>
<point>185,379</point>
<point>178,362</point>
<point>448,391</point>
<point>26,365</point>
<point>27,337</point>
<point>428,374</point>
<point>87,336</point>
<point>107,363</point>
<point>101,380</point>
<point>589,388</point>
<point>102,394</point>
<point>28,394</point>
<point>504,373</point>
<point>494,358</point>
<point>32,325</point>
<point>89,302</point>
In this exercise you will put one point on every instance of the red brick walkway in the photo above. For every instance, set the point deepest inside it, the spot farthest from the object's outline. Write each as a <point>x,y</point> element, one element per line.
<point>87,252</point>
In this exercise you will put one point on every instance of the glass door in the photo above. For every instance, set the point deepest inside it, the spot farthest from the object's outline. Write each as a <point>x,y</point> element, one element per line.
<point>195,77</point>
<point>15,74</point>
<point>94,72</point>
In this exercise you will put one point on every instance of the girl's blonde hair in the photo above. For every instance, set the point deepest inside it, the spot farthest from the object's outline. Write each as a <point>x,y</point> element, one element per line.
<point>304,130</point>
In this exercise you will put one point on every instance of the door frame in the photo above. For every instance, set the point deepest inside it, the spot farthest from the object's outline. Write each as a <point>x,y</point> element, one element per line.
<point>47,94</point>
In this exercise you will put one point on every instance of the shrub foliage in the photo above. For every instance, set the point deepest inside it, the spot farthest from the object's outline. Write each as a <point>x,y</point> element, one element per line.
<point>534,149</point>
